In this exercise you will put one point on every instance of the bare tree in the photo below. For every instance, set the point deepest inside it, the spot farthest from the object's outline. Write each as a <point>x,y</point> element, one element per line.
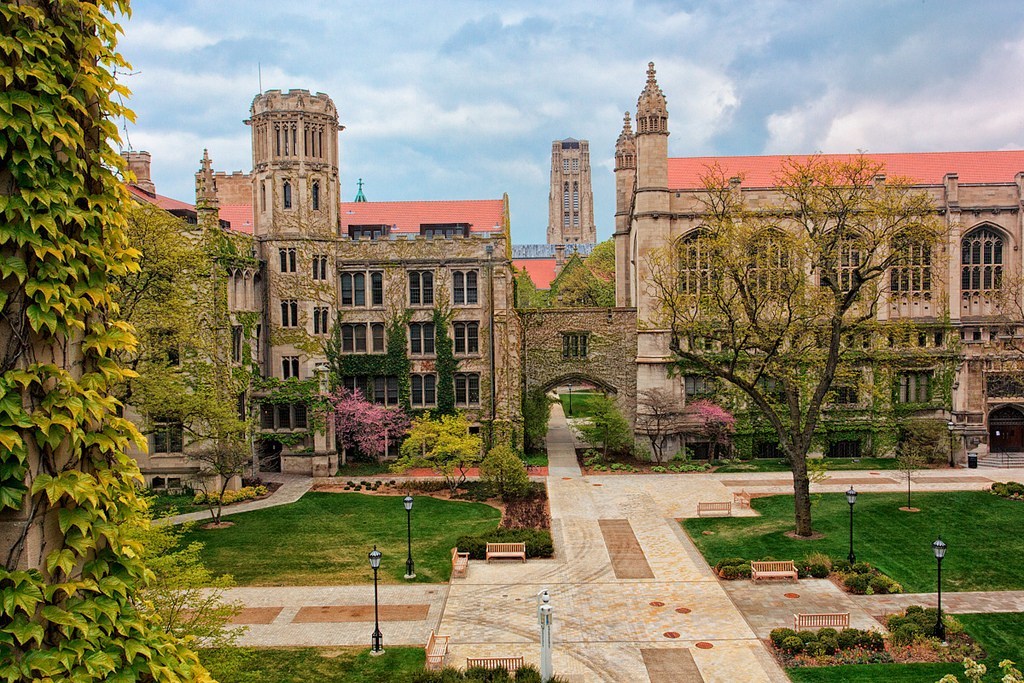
<point>658,415</point>
<point>220,461</point>
<point>769,297</point>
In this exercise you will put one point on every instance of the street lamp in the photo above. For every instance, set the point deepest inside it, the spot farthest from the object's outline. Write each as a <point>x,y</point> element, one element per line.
<point>951,425</point>
<point>570,399</point>
<point>939,548</point>
<point>851,498</point>
<point>410,568</point>
<point>376,642</point>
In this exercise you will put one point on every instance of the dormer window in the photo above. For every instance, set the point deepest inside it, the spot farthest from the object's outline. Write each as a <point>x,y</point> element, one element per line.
<point>368,232</point>
<point>444,230</point>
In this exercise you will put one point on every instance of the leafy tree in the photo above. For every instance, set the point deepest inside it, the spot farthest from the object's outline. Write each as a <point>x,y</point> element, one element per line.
<point>503,469</point>
<point>527,294</point>
<point>444,445</point>
<point>185,598</point>
<point>607,426</point>
<point>769,297</point>
<point>928,438</point>
<point>718,423</point>
<point>536,413</point>
<point>72,574</point>
<point>658,414</point>
<point>908,461</point>
<point>221,461</point>
<point>589,281</point>
<point>367,426</point>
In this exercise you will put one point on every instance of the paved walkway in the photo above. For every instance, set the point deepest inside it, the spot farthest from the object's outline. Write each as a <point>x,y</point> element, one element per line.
<point>959,603</point>
<point>293,487</point>
<point>607,627</point>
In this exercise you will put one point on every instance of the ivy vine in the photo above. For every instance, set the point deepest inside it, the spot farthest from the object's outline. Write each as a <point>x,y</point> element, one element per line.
<point>445,363</point>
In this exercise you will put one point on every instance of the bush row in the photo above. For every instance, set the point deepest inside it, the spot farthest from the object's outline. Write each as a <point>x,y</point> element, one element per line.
<point>826,641</point>
<point>538,542</point>
<point>859,578</point>
<point>524,674</point>
<point>1008,489</point>
<point>244,493</point>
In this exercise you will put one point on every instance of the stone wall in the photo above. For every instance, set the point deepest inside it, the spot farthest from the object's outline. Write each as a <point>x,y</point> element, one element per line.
<point>233,189</point>
<point>610,362</point>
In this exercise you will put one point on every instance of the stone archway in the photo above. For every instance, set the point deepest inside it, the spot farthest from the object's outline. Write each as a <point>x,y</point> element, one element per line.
<point>1006,429</point>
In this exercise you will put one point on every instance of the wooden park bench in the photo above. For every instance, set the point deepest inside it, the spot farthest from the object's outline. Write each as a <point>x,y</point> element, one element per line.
<point>802,622</point>
<point>460,564</point>
<point>773,570</point>
<point>509,663</point>
<point>506,551</point>
<point>725,507</point>
<point>437,650</point>
<point>741,499</point>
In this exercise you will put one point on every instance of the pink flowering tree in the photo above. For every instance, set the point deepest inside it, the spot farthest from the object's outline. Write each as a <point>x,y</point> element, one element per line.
<point>370,427</point>
<point>719,423</point>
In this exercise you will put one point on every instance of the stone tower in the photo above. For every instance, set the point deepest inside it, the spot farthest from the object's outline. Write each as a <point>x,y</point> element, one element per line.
<point>625,183</point>
<point>571,200</point>
<point>294,162</point>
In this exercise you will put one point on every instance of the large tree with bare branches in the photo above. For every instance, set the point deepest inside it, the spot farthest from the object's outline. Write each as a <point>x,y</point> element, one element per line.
<point>779,297</point>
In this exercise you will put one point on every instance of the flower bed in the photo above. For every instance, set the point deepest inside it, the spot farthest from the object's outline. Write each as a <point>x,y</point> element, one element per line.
<point>1014,490</point>
<point>860,578</point>
<point>236,496</point>
<point>911,639</point>
<point>593,462</point>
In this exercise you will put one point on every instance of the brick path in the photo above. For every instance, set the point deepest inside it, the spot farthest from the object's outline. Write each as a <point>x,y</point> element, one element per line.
<point>958,603</point>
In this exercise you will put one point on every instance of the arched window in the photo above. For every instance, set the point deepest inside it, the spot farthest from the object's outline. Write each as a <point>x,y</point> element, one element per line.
<point>981,259</point>
<point>769,262</point>
<point>694,263</point>
<point>841,265</point>
<point>316,195</point>
<point>287,195</point>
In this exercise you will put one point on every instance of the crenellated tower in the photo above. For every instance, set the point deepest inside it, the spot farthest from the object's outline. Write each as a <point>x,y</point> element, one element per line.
<point>625,183</point>
<point>571,198</point>
<point>295,163</point>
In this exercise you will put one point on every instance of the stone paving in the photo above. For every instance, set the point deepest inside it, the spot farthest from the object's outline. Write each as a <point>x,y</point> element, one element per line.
<point>770,605</point>
<point>293,487</point>
<point>959,603</point>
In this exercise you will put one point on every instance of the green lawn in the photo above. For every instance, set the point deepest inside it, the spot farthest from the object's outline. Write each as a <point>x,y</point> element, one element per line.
<point>982,531</point>
<point>1002,636</point>
<point>581,403</point>
<point>323,539</point>
<point>833,464</point>
<point>162,505</point>
<point>536,458</point>
<point>363,469</point>
<point>298,665</point>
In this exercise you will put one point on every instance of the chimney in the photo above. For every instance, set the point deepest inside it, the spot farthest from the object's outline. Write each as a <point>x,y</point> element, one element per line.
<point>138,163</point>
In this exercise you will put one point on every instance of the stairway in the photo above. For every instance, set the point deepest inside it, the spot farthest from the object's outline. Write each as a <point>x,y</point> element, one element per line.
<point>1002,460</point>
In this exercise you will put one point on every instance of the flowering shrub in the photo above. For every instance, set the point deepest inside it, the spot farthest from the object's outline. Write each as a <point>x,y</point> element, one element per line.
<point>1009,489</point>
<point>244,493</point>
<point>829,647</point>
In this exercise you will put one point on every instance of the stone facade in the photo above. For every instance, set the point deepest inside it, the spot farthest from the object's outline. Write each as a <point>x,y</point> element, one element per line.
<point>571,199</point>
<point>554,354</point>
<point>979,198</point>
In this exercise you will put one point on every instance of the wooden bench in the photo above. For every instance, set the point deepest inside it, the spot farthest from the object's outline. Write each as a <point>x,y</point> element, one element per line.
<point>773,570</point>
<point>741,499</point>
<point>437,650</point>
<point>460,564</point>
<point>509,663</point>
<point>725,507</point>
<point>802,622</point>
<point>506,551</point>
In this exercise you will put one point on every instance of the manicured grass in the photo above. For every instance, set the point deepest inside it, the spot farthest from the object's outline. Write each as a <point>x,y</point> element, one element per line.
<point>164,504</point>
<point>1002,636</point>
<point>323,539</point>
<point>982,531</point>
<point>833,464</point>
<point>581,403</point>
<point>298,665</point>
<point>536,458</point>
<point>363,469</point>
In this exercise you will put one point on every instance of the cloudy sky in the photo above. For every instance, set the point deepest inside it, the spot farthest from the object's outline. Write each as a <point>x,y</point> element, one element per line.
<point>461,100</point>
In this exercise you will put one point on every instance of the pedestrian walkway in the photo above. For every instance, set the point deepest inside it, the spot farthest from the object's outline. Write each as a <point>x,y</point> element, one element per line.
<point>958,603</point>
<point>561,446</point>
<point>293,487</point>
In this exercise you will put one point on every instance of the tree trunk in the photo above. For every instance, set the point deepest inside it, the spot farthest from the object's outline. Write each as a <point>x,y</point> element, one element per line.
<point>801,495</point>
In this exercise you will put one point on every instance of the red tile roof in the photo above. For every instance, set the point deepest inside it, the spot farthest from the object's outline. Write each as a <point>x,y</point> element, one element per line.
<point>483,215</point>
<point>238,215</point>
<point>165,203</point>
<point>540,270</point>
<point>925,168</point>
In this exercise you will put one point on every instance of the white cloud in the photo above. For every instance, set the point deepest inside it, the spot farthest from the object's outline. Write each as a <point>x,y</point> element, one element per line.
<point>165,37</point>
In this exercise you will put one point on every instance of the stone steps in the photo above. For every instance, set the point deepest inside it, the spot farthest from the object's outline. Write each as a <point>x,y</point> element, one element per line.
<point>1002,460</point>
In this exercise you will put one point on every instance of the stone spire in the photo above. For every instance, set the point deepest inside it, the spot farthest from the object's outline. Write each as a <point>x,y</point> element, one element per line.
<point>206,187</point>
<point>651,112</point>
<point>625,146</point>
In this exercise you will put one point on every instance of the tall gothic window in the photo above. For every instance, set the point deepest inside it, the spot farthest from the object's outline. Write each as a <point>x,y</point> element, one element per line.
<point>694,264</point>
<point>912,273</point>
<point>769,262</point>
<point>316,195</point>
<point>575,196</point>
<point>287,195</point>
<point>981,259</point>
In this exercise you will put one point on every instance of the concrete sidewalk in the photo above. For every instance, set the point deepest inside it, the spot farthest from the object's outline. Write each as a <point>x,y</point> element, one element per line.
<point>293,487</point>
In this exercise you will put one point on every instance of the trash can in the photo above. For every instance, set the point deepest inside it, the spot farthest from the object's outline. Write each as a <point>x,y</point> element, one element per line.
<point>972,461</point>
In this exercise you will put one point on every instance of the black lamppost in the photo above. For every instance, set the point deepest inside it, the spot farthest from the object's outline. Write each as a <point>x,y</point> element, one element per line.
<point>410,568</point>
<point>570,399</point>
<point>939,548</point>
<point>851,498</point>
<point>951,425</point>
<point>376,642</point>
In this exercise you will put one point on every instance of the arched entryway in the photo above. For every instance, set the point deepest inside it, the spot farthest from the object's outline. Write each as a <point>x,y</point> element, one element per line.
<point>1006,429</point>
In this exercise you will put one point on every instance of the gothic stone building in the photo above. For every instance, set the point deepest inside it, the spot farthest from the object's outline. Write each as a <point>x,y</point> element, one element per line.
<point>978,195</point>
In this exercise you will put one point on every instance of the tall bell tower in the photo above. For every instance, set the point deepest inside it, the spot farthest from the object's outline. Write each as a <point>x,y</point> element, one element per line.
<point>571,199</point>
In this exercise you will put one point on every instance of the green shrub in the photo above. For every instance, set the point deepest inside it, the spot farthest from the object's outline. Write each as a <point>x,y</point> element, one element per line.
<point>861,568</point>
<point>730,572</point>
<point>485,675</point>
<point>819,558</point>
<point>807,636</point>
<point>780,634</point>
<point>883,585</point>
<point>818,571</point>
<point>1010,489</point>
<point>857,583</point>
<point>842,566</point>
<point>729,561</point>
<point>905,634</point>
<point>659,469</point>
<point>743,570</point>
<point>792,645</point>
<point>538,542</point>
<point>814,648</point>
<point>871,640</point>
<point>827,633</point>
<point>829,643</point>
<point>503,469</point>
<point>528,673</point>
<point>848,638</point>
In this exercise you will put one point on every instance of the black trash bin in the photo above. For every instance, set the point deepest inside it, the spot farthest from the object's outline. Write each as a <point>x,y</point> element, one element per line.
<point>972,461</point>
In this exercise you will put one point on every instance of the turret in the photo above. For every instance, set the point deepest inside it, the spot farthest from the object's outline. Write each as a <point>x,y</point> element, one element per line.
<point>625,182</point>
